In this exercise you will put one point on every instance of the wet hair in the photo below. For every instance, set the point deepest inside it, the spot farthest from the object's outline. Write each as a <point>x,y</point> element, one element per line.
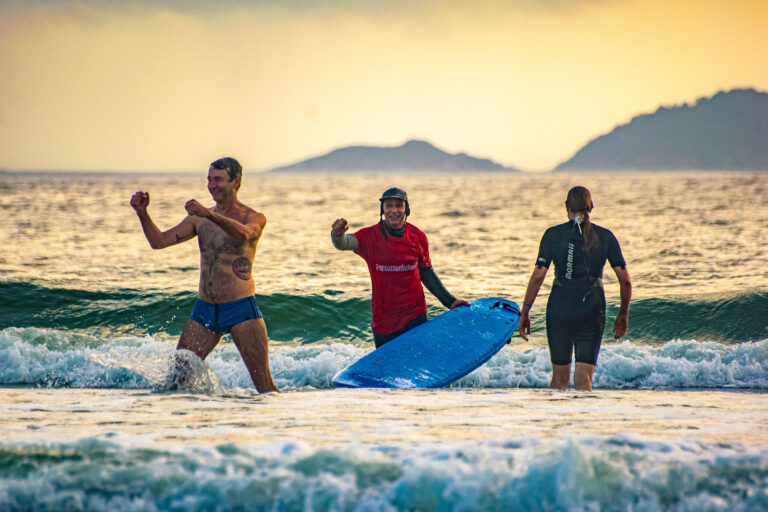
<point>579,200</point>
<point>232,166</point>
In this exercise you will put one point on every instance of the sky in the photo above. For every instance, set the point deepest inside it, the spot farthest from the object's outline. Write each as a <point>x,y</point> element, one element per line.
<point>173,85</point>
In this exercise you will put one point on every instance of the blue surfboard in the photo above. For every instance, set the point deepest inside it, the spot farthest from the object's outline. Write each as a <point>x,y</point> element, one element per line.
<point>439,351</point>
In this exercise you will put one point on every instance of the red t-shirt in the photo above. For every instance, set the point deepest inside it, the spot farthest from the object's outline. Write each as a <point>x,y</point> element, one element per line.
<point>394,265</point>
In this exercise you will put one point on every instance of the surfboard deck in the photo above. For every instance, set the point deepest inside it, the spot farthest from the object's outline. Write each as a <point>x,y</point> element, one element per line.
<point>439,351</point>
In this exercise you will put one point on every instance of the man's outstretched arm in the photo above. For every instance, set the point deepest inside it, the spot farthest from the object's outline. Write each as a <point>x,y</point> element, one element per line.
<point>250,231</point>
<point>157,239</point>
<point>341,240</point>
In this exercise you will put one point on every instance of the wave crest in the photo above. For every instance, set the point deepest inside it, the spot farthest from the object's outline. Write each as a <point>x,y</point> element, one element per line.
<point>41,357</point>
<point>616,473</point>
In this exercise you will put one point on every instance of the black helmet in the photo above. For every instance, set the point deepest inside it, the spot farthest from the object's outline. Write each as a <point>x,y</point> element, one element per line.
<point>395,193</point>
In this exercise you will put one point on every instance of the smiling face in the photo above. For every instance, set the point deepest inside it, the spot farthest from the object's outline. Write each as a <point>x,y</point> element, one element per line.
<point>394,212</point>
<point>219,184</point>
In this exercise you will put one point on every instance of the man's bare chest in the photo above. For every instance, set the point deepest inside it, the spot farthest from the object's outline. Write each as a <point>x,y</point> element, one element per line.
<point>214,239</point>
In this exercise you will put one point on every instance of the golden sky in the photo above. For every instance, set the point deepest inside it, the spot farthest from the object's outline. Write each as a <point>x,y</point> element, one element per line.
<point>173,85</point>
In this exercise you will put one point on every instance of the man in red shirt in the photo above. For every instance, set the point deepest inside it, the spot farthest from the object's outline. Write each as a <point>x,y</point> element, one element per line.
<point>397,254</point>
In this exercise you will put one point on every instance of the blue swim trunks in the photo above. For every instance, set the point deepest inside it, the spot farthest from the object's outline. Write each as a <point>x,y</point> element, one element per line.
<point>221,317</point>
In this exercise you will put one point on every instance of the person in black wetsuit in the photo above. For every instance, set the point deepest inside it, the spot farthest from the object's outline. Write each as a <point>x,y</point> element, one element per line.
<point>576,306</point>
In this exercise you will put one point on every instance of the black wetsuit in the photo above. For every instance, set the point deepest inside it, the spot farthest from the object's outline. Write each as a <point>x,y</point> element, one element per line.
<point>576,306</point>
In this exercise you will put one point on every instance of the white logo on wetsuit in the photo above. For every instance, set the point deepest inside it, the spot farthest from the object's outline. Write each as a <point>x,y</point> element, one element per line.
<point>569,262</point>
<point>395,268</point>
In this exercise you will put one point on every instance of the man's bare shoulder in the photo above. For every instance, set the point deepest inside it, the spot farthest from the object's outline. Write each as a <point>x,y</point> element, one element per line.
<point>254,216</point>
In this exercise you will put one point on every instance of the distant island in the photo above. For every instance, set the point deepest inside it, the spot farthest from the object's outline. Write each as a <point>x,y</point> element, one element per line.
<point>728,131</point>
<point>413,156</point>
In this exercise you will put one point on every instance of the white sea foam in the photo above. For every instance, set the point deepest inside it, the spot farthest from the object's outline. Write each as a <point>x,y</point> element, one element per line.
<point>676,364</point>
<point>615,473</point>
<point>684,364</point>
<point>51,358</point>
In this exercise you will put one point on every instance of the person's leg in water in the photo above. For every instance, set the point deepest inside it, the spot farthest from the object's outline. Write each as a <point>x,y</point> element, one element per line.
<point>561,375</point>
<point>559,336</point>
<point>588,339</point>
<point>575,322</point>
<point>251,340</point>
<point>582,376</point>
<point>198,340</point>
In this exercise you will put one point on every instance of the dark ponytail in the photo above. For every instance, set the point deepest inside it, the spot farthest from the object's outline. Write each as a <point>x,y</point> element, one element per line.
<point>579,200</point>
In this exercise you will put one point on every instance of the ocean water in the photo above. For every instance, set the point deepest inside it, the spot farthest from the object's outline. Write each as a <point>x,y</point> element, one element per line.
<point>89,317</point>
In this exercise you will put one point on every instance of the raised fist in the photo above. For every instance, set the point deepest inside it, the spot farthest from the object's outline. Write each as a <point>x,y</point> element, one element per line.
<point>140,201</point>
<point>340,226</point>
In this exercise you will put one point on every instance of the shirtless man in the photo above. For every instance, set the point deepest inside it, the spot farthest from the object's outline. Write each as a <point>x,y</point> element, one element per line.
<point>227,235</point>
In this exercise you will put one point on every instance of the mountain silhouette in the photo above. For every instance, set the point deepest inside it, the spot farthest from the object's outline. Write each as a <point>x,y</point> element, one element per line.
<point>728,131</point>
<point>414,155</point>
